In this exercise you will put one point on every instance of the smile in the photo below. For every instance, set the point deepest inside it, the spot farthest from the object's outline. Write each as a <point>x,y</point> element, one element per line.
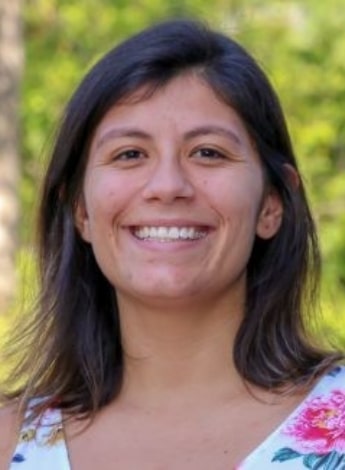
<point>168,234</point>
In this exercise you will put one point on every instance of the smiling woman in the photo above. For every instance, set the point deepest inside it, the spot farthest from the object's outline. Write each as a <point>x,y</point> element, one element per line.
<point>179,262</point>
<point>164,198</point>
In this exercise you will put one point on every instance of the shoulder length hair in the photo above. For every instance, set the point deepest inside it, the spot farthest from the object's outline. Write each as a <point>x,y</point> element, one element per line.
<point>75,353</point>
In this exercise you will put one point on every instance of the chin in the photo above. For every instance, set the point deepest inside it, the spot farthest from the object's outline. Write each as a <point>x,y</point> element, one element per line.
<point>168,292</point>
<point>165,291</point>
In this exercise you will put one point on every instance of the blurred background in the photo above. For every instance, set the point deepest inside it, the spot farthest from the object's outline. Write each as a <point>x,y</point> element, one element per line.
<point>46,46</point>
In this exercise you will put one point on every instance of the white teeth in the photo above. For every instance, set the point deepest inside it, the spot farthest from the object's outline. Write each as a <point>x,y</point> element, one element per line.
<point>161,232</point>
<point>184,232</point>
<point>173,232</point>
<point>169,233</point>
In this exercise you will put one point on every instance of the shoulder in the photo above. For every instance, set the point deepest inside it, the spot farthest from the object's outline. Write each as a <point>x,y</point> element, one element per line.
<point>314,432</point>
<point>9,427</point>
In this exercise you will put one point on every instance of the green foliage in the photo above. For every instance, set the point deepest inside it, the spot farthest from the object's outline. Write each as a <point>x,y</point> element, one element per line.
<point>300,44</point>
<point>23,305</point>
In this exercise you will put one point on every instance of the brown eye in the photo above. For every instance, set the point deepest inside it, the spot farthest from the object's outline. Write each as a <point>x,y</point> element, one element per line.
<point>129,155</point>
<point>210,153</point>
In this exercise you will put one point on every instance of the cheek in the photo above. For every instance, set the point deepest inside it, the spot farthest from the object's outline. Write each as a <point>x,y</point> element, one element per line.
<point>101,209</point>
<point>237,199</point>
<point>104,198</point>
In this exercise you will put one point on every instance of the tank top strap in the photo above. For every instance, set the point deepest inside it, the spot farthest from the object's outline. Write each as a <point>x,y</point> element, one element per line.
<point>41,443</point>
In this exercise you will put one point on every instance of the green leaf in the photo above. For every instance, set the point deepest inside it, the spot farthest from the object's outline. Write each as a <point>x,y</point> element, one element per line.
<point>329,461</point>
<point>334,460</point>
<point>285,454</point>
<point>312,461</point>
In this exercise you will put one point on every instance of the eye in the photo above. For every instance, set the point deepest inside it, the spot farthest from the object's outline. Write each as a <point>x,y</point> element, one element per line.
<point>128,155</point>
<point>209,153</point>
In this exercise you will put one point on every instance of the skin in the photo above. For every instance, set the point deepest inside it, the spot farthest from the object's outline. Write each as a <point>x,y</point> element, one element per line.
<point>9,428</point>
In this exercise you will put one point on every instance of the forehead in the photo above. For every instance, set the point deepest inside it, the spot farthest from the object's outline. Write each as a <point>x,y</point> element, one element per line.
<point>185,103</point>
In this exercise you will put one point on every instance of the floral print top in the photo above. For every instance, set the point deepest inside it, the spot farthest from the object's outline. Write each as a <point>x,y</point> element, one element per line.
<point>41,444</point>
<point>312,437</point>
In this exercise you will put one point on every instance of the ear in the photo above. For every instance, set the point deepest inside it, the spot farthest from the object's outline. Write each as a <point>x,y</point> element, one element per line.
<point>81,220</point>
<point>270,216</point>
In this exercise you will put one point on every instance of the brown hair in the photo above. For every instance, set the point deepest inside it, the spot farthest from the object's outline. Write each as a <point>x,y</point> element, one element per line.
<point>73,345</point>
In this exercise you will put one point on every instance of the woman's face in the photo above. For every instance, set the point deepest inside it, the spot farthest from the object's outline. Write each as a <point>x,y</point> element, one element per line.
<point>174,195</point>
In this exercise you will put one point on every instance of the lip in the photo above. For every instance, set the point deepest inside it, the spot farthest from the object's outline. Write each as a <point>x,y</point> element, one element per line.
<point>166,247</point>
<point>180,223</point>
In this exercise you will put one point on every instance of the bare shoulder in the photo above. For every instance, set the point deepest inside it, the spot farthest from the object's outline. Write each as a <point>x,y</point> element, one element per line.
<point>9,424</point>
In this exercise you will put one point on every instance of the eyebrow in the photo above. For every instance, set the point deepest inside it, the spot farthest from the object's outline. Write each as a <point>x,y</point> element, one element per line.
<point>139,134</point>
<point>213,129</point>
<point>122,132</point>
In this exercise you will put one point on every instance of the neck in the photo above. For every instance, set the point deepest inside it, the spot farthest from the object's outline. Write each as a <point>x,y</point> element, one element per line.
<point>179,351</point>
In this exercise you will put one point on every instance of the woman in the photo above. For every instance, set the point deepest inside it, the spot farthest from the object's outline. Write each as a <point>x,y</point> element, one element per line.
<point>178,257</point>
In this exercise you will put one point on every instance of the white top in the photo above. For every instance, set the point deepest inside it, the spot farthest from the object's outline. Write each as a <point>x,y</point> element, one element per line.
<point>312,437</point>
<point>41,444</point>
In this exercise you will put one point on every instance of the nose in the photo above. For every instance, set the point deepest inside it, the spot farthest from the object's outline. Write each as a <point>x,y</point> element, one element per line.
<point>168,182</point>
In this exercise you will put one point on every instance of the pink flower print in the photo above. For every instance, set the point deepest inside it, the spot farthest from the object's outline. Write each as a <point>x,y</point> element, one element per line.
<point>320,426</point>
